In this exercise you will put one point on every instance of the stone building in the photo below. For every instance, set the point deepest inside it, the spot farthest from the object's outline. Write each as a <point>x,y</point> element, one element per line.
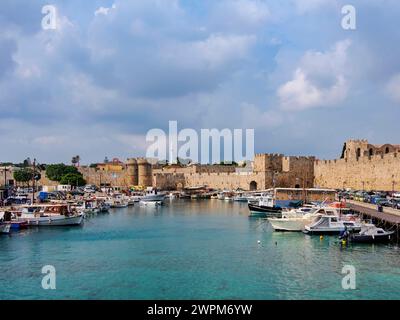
<point>362,166</point>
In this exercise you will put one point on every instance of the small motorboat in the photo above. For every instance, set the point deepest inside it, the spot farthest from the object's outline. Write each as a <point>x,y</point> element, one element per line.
<point>331,224</point>
<point>371,234</point>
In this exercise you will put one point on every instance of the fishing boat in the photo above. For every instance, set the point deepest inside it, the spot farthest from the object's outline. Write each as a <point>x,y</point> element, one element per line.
<point>331,224</point>
<point>265,207</point>
<point>371,234</point>
<point>50,215</point>
<point>152,197</point>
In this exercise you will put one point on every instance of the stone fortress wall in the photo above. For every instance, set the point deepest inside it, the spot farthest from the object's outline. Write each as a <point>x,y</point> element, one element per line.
<point>362,166</point>
<point>268,170</point>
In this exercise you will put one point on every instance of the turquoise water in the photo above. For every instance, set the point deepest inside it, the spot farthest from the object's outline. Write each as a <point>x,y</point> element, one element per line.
<point>205,249</point>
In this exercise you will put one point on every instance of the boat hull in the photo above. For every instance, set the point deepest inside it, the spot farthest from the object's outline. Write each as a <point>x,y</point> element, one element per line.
<point>331,231</point>
<point>55,221</point>
<point>17,225</point>
<point>293,225</point>
<point>372,239</point>
<point>264,211</point>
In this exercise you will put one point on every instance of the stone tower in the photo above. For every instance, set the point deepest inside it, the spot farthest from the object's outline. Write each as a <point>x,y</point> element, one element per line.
<point>132,169</point>
<point>355,149</point>
<point>144,173</point>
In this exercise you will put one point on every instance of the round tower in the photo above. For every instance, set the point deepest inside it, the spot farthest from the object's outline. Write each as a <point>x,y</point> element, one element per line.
<point>144,173</point>
<point>132,169</point>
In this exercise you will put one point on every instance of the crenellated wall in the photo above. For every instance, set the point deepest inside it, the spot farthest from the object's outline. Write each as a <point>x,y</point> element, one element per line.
<point>359,169</point>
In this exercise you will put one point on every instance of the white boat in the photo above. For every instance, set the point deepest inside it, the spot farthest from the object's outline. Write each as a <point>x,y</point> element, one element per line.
<point>152,196</point>
<point>297,219</point>
<point>240,198</point>
<point>50,215</point>
<point>151,203</point>
<point>331,224</point>
<point>118,200</point>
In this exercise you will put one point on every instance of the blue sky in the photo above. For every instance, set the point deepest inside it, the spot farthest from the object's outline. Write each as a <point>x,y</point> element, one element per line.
<point>112,70</point>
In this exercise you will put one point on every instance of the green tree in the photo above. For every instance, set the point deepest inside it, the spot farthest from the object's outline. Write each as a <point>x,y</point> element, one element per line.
<point>73,179</point>
<point>56,171</point>
<point>23,175</point>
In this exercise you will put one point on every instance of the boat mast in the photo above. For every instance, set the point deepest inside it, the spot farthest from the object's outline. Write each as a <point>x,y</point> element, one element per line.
<point>33,181</point>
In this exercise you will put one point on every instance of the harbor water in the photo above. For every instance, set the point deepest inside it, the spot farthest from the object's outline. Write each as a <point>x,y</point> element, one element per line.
<point>190,249</point>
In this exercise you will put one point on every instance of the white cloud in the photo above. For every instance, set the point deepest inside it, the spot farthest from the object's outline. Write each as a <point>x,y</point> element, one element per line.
<point>239,16</point>
<point>393,88</point>
<point>104,10</point>
<point>253,117</point>
<point>215,51</point>
<point>305,6</point>
<point>319,80</point>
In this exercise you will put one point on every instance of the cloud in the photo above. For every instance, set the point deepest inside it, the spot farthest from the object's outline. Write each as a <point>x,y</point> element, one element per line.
<point>306,6</point>
<point>318,81</point>
<point>393,88</point>
<point>104,10</point>
<point>242,15</point>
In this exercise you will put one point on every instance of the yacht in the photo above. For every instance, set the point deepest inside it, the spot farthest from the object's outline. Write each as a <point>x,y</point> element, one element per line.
<point>331,224</point>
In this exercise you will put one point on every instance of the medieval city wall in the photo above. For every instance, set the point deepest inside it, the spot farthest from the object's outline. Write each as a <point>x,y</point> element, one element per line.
<point>376,172</point>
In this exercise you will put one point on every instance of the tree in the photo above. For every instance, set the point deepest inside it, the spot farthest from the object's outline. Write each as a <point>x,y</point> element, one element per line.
<point>56,171</point>
<point>73,179</point>
<point>23,175</point>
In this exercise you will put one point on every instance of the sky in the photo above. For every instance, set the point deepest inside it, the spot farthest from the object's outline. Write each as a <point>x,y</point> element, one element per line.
<point>114,69</point>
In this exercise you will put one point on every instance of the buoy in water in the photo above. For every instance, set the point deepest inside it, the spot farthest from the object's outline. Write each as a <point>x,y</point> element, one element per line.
<point>258,241</point>
<point>321,237</point>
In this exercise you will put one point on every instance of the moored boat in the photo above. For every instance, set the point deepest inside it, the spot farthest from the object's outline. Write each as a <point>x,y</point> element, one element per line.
<point>331,224</point>
<point>371,234</point>
<point>265,208</point>
<point>50,215</point>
